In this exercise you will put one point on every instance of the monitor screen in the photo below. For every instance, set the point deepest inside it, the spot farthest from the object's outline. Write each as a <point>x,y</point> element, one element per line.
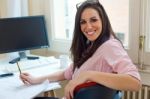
<point>22,33</point>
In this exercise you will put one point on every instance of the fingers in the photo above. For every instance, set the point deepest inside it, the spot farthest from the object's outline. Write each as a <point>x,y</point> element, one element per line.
<point>69,91</point>
<point>25,74</point>
<point>25,78</point>
<point>67,95</point>
<point>26,82</point>
<point>63,98</point>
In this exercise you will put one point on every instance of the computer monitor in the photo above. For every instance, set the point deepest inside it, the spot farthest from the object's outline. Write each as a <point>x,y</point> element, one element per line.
<point>22,33</point>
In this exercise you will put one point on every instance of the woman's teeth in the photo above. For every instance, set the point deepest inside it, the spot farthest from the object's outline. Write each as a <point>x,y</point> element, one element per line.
<point>90,33</point>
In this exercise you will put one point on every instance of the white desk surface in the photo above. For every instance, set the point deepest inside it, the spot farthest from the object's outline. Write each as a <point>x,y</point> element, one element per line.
<point>10,86</point>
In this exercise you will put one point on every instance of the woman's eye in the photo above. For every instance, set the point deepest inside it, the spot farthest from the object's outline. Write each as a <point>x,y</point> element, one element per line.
<point>93,20</point>
<point>82,22</point>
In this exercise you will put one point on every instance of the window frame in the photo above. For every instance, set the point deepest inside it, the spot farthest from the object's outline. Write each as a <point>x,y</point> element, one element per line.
<point>134,30</point>
<point>145,5</point>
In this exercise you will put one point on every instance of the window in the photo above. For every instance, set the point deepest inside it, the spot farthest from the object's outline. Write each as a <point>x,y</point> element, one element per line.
<point>63,12</point>
<point>118,13</point>
<point>66,21</point>
<point>125,23</point>
<point>15,8</point>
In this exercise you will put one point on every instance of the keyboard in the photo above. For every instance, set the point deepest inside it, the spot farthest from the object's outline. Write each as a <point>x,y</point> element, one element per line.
<point>28,64</point>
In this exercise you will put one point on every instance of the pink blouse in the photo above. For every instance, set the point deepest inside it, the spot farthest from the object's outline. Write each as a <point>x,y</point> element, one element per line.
<point>109,57</point>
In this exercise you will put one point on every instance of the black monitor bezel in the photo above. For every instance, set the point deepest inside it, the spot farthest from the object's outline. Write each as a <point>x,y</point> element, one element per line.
<point>27,48</point>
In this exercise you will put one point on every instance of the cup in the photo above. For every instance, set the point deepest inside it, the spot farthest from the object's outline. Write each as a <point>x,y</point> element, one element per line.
<point>64,60</point>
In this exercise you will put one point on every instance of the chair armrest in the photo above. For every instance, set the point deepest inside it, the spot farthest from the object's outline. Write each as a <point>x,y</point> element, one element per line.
<point>84,85</point>
<point>92,90</point>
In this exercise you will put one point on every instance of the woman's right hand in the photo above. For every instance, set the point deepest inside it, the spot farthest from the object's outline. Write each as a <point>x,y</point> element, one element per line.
<point>29,79</point>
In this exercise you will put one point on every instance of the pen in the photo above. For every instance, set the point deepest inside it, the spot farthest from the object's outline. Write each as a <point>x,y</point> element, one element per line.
<point>20,71</point>
<point>18,68</point>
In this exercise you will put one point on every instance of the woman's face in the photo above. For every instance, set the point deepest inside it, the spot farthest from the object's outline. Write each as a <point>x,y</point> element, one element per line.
<point>91,24</point>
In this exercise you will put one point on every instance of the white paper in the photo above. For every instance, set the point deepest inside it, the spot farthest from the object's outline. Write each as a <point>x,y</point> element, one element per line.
<point>15,89</point>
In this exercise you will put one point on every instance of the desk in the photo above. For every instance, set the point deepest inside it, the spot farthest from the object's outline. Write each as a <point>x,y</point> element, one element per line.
<point>14,81</point>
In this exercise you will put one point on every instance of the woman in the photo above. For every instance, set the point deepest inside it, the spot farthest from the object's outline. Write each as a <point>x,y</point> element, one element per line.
<point>98,55</point>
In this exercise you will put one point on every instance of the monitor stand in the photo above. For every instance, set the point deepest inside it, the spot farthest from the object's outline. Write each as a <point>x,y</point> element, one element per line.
<point>22,55</point>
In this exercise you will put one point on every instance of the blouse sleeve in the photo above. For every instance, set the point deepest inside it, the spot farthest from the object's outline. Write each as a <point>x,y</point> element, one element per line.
<point>69,72</point>
<point>116,57</point>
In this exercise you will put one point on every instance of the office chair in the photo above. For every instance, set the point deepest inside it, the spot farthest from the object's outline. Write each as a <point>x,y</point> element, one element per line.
<point>92,90</point>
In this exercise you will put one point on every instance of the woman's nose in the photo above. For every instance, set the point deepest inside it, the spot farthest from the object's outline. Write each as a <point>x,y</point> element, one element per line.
<point>88,25</point>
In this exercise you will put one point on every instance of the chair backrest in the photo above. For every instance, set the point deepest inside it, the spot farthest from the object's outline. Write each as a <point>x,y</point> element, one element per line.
<point>93,90</point>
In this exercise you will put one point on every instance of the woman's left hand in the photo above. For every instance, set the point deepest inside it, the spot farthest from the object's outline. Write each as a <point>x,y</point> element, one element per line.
<point>69,89</point>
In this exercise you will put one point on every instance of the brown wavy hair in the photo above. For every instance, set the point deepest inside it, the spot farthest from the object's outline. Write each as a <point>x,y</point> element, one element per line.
<point>79,48</point>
